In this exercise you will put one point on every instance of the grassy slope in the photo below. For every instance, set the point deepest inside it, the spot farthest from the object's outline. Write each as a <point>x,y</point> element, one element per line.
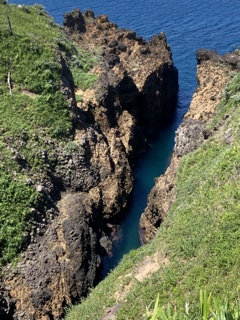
<point>200,238</point>
<point>34,120</point>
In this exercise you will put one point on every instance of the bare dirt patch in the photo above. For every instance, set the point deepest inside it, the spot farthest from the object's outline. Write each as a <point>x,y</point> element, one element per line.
<point>148,266</point>
<point>29,93</point>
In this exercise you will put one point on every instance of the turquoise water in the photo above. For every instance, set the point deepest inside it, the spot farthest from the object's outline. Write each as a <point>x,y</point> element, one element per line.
<point>189,26</point>
<point>153,163</point>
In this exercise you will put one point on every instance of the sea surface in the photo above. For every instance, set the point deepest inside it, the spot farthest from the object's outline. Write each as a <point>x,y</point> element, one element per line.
<point>189,26</point>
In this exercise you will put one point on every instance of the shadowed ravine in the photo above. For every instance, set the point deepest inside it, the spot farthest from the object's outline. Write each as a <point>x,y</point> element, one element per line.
<point>150,165</point>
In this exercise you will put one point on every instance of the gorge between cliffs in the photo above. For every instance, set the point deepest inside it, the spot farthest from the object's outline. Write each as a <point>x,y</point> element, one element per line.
<point>109,91</point>
<point>84,183</point>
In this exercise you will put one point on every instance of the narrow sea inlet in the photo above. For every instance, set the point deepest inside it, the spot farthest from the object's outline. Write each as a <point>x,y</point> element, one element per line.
<point>150,165</point>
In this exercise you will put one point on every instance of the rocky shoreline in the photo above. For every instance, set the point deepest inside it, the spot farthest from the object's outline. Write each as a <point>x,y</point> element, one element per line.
<point>87,189</point>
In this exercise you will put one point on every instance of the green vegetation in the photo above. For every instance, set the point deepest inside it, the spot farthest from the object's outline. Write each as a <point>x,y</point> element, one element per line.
<point>198,243</point>
<point>81,65</point>
<point>31,56</point>
<point>70,148</point>
<point>15,197</point>
<point>35,121</point>
<point>209,309</point>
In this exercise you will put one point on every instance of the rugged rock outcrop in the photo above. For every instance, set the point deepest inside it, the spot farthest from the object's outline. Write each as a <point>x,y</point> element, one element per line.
<point>213,73</point>
<point>134,74</point>
<point>58,268</point>
<point>87,187</point>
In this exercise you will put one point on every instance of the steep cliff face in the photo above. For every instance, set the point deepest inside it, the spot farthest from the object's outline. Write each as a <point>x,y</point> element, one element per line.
<point>135,76</point>
<point>85,182</point>
<point>213,73</point>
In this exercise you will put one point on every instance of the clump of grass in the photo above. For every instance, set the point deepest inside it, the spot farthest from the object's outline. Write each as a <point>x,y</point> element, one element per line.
<point>81,65</point>
<point>70,148</point>
<point>210,308</point>
<point>16,197</point>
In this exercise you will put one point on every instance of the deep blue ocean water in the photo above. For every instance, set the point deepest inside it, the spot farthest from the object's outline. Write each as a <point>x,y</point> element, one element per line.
<point>189,26</point>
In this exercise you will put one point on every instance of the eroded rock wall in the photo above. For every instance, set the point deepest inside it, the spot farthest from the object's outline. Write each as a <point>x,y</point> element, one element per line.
<point>213,73</point>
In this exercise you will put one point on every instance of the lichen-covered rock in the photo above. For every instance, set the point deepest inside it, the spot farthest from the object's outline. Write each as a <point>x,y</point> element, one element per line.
<point>189,136</point>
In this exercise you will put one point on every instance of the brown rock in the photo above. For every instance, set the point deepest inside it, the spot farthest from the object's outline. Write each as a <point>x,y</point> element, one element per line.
<point>139,74</point>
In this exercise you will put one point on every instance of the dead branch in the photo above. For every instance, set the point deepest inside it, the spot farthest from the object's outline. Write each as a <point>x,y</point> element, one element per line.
<point>9,83</point>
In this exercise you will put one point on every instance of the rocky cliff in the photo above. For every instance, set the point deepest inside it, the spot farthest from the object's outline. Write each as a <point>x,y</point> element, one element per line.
<point>213,73</point>
<point>85,182</point>
<point>134,74</point>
